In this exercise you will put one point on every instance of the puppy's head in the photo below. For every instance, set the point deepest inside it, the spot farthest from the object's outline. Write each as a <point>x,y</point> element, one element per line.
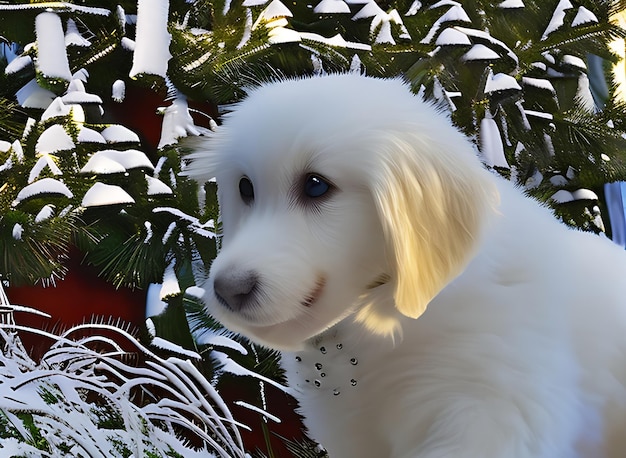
<point>340,196</point>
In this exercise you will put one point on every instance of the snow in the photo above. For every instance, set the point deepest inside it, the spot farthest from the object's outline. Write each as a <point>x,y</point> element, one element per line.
<point>538,83</point>
<point>18,230</point>
<point>76,94</point>
<point>206,56</point>
<point>54,139</point>
<point>177,122</point>
<point>170,286</point>
<point>154,305</point>
<point>538,114</point>
<point>558,17</point>
<point>157,187</point>
<point>491,145</point>
<point>385,20</point>
<point>442,3</point>
<point>152,40</point>
<point>506,4</point>
<point>548,57</point>
<point>442,95</point>
<point>168,233</point>
<point>356,66</point>
<point>4,146</point>
<point>485,36</point>
<point>253,408</point>
<point>17,64</point>
<point>583,94</point>
<point>414,8</point>
<point>118,91</point>
<point>128,44</point>
<point>574,61</point>
<point>254,2</point>
<point>336,41</point>
<point>31,95</point>
<point>584,194</point>
<point>18,151</point>
<point>73,36</point>
<point>8,164</point>
<point>56,108</point>
<point>534,181</point>
<point>43,186</point>
<point>454,13</point>
<point>102,165</point>
<point>279,35</point>
<point>570,173</point>
<point>275,10</point>
<point>384,34</point>
<point>45,213</point>
<point>547,139</point>
<point>101,194</point>
<point>194,223</point>
<point>229,365</point>
<point>371,9</point>
<point>172,347</point>
<point>81,75</point>
<point>87,135</point>
<point>88,385</point>
<point>128,159</point>
<point>51,55</point>
<point>247,30</point>
<point>78,97</point>
<point>195,291</point>
<point>452,36</point>
<point>500,82</point>
<point>562,196</point>
<point>65,6</point>
<point>45,160</point>
<point>116,133</point>
<point>584,16</point>
<point>480,52</point>
<point>558,180</point>
<point>331,6</point>
<point>218,340</point>
<point>30,123</point>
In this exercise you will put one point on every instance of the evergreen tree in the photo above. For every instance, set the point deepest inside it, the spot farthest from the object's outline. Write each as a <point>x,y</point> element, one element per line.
<point>514,75</point>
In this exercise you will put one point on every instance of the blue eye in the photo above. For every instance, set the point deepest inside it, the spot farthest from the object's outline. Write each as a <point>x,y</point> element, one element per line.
<point>315,186</point>
<point>246,190</point>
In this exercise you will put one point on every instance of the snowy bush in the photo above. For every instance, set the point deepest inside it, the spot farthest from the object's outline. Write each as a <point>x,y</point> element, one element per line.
<point>98,392</point>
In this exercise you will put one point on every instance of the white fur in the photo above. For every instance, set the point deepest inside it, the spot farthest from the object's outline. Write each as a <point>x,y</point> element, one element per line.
<point>522,350</point>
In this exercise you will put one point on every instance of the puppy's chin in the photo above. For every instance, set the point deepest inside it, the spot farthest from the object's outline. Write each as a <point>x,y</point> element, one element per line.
<point>290,334</point>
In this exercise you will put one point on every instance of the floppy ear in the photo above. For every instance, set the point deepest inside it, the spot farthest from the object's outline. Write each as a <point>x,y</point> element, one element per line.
<point>432,197</point>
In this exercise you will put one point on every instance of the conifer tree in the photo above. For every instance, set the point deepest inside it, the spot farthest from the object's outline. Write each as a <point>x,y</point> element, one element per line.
<point>513,75</point>
<point>526,80</point>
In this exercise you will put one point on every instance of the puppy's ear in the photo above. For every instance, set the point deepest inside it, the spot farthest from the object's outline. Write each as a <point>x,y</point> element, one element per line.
<point>202,160</point>
<point>432,197</point>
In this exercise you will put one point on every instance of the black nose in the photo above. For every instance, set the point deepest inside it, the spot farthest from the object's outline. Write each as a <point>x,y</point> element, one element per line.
<point>236,289</point>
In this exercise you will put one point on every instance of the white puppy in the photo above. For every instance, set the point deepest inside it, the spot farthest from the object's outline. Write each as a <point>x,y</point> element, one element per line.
<point>349,206</point>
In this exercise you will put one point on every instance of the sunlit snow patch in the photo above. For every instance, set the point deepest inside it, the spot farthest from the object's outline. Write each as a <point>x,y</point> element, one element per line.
<point>119,134</point>
<point>43,186</point>
<point>101,194</point>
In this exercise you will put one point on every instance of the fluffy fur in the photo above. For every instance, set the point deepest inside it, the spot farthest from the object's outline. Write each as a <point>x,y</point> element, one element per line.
<point>522,349</point>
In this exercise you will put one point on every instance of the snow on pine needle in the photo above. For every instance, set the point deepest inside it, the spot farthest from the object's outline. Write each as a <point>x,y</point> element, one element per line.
<point>98,392</point>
